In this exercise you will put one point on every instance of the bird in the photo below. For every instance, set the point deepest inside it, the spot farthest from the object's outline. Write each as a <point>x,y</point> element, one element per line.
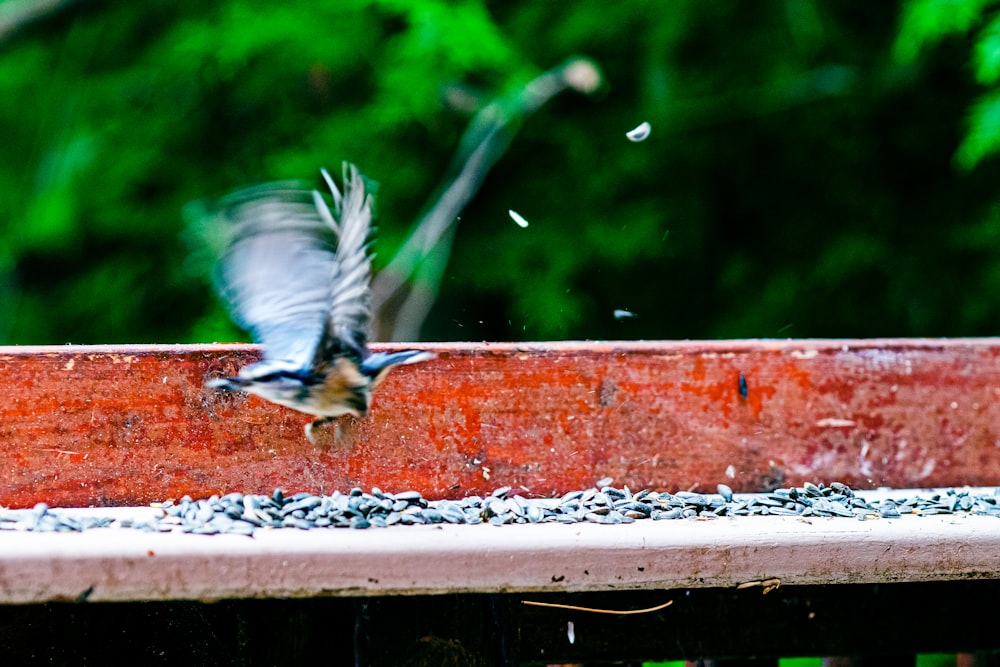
<point>295,271</point>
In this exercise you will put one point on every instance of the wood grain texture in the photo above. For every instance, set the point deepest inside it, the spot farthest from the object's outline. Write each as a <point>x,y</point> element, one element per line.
<point>126,425</point>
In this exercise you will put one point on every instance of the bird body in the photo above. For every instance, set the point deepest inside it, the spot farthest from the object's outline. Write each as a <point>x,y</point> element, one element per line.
<point>296,274</point>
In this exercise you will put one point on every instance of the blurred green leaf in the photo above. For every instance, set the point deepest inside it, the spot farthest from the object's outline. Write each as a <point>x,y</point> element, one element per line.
<point>986,56</point>
<point>924,23</point>
<point>983,135</point>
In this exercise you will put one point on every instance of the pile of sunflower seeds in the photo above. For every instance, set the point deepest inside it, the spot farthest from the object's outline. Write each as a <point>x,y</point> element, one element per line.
<point>44,520</point>
<point>237,513</point>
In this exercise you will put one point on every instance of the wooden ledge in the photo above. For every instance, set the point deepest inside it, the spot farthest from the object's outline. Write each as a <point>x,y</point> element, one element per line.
<point>124,564</point>
<point>127,425</point>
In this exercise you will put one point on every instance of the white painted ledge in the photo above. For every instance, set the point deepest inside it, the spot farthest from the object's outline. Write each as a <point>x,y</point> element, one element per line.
<point>125,564</point>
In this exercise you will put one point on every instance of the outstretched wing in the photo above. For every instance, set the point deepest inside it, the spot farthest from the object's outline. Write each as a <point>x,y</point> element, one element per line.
<point>284,266</point>
<point>350,309</point>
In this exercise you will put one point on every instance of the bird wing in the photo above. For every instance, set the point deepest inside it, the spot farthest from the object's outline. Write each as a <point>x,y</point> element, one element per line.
<point>350,307</point>
<point>291,273</point>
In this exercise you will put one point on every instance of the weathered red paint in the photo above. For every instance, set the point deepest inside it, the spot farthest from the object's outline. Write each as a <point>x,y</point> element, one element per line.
<point>123,425</point>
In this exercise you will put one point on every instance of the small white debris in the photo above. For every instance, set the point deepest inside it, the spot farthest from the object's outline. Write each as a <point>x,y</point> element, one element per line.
<point>730,472</point>
<point>834,422</point>
<point>570,632</point>
<point>622,314</point>
<point>486,473</point>
<point>516,217</point>
<point>639,133</point>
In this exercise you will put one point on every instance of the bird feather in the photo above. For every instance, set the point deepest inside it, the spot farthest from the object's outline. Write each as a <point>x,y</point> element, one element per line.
<point>295,272</point>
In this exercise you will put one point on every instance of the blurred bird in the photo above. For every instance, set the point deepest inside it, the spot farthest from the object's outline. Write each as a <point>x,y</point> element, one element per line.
<point>296,274</point>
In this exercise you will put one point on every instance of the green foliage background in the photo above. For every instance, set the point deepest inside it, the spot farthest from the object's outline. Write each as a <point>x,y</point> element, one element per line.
<point>815,169</point>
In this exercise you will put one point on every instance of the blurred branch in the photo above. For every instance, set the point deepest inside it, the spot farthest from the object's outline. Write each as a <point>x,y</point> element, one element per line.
<point>405,290</point>
<point>18,14</point>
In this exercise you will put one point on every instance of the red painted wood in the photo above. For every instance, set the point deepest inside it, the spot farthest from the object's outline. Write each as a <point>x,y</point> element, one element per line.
<point>132,424</point>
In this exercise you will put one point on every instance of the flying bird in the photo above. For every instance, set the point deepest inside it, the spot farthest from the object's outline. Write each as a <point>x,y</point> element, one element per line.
<point>295,272</point>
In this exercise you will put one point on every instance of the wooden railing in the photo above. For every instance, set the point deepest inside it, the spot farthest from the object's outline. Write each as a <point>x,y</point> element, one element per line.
<point>125,426</point>
<point>133,424</point>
